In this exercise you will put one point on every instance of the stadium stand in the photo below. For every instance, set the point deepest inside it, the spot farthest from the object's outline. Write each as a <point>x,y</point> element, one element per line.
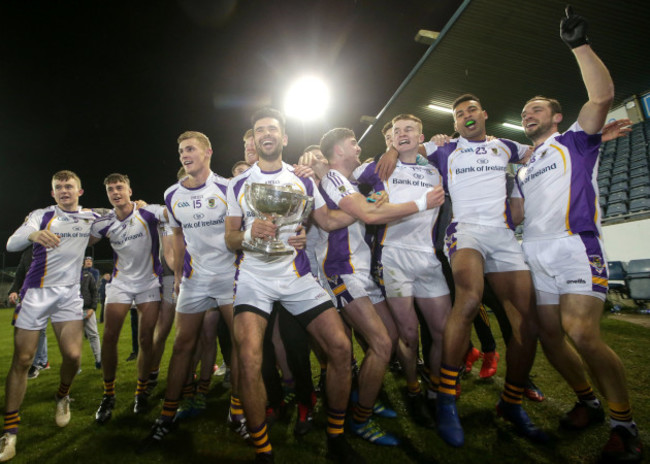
<point>617,282</point>
<point>624,175</point>
<point>638,279</point>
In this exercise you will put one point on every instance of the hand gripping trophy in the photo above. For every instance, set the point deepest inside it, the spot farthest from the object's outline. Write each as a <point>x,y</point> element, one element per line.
<point>284,205</point>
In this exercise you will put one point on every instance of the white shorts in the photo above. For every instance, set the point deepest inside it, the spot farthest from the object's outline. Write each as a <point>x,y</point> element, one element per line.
<point>60,304</point>
<point>298,295</point>
<point>348,287</point>
<point>500,250</point>
<point>168,289</point>
<point>198,294</point>
<point>569,265</point>
<point>412,273</point>
<point>121,292</point>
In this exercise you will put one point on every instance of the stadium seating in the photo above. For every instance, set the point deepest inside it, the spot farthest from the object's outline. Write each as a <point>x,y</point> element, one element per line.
<point>617,197</point>
<point>617,274</point>
<point>638,279</point>
<point>616,209</point>
<point>641,191</point>
<point>639,204</point>
<point>624,174</point>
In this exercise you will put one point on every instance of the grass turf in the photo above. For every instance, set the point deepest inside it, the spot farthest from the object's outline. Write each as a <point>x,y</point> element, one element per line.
<point>207,438</point>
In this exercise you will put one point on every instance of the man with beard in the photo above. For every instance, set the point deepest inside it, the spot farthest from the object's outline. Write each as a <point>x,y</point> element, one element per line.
<point>562,244</point>
<point>261,280</point>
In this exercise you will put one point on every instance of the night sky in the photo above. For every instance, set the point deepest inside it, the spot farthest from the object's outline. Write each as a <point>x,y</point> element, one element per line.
<point>100,87</point>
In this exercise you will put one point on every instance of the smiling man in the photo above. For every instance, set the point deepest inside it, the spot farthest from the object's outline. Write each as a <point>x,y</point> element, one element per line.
<point>558,197</point>
<point>347,268</point>
<point>204,273</point>
<point>411,270</point>
<point>480,241</point>
<point>136,278</point>
<point>59,235</point>
<point>263,280</point>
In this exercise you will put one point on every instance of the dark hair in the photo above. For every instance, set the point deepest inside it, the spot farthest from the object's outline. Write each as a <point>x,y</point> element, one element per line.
<point>333,137</point>
<point>552,102</point>
<point>388,126</point>
<point>269,112</point>
<point>237,164</point>
<point>465,97</point>
<point>116,177</point>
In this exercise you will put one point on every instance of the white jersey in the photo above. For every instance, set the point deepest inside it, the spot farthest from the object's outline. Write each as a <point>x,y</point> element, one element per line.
<point>135,244</point>
<point>408,182</point>
<point>297,262</point>
<point>201,212</point>
<point>559,184</point>
<point>347,252</point>
<point>59,266</point>
<point>474,174</point>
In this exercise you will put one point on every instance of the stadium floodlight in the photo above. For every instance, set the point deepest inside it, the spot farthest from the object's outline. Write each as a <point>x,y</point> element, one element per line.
<point>444,109</point>
<point>307,99</point>
<point>518,127</point>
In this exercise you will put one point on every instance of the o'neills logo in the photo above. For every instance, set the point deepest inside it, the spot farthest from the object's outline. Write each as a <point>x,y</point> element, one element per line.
<point>576,281</point>
<point>597,263</point>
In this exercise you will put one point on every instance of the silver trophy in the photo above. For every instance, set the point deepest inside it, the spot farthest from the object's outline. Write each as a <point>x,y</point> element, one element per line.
<point>284,205</point>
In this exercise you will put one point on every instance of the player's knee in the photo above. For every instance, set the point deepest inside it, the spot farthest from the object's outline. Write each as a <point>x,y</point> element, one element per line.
<point>585,341</point>
<point>23,361</point>
<point>110,337</point>
<point>466,308</point>
<point>71,356</point>
<point>411,337</point>
<point>380,345</point>
<point>339,350</point>
<point>182,347</point>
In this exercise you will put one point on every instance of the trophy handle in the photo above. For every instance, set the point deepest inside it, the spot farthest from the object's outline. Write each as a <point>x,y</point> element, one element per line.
<point>305,210</point>
<point>249,202</point>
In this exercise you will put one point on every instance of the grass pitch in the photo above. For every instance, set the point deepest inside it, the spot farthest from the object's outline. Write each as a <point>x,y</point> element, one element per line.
<point>208,439</point>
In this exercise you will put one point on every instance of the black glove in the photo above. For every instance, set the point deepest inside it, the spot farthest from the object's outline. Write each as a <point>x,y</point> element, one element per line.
<point>573,29</point>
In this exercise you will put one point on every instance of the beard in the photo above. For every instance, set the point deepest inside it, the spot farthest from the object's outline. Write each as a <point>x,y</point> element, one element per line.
<point>539,130</point>
<point>270,156</point>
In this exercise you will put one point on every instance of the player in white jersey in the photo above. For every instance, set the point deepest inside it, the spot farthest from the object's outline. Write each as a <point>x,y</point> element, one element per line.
<point>411,269</point>
<point>203,267</point>
<point>262,280</point>
<point>563,247</point>
<point>59,235</point>
<point>347,268</point>
<point>136,278</point>
<point>480,242</point>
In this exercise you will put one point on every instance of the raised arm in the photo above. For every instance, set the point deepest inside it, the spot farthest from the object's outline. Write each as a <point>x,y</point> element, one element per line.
<point>596,77</point>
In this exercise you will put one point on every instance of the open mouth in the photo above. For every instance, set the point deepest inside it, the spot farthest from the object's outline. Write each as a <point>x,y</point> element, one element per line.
<point>403,142</point>
<point>470,123</point>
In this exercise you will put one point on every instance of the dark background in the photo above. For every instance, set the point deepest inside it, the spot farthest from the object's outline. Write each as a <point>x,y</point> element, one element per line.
<point>100,87</point>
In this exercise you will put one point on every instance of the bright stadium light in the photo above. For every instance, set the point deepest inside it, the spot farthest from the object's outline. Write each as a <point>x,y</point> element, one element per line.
<point>513,126</point>
<point>307,99</point>
<point>443,109</point>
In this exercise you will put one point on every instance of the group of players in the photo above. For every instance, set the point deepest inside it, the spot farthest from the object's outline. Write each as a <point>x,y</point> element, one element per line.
<point>551,287</point>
